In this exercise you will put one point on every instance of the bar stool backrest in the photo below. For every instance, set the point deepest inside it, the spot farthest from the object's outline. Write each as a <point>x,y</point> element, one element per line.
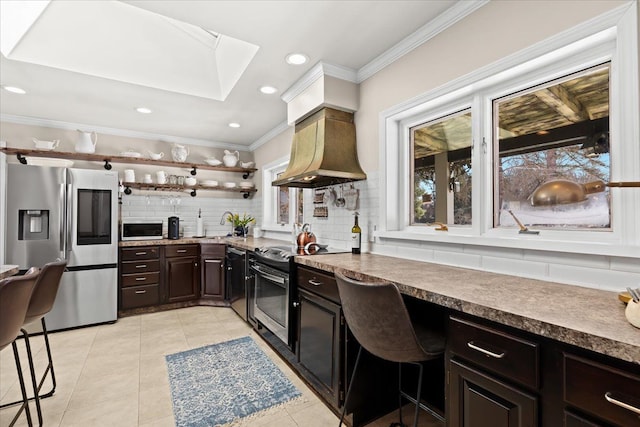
<point>15,293</point>
<point>378,318</point>
<point>45,291</point>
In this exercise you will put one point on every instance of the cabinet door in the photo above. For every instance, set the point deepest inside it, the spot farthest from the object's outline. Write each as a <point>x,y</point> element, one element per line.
<point>478,400</point>
<point>319,344</point>
<point>213,278</point>
<point>182,278</point>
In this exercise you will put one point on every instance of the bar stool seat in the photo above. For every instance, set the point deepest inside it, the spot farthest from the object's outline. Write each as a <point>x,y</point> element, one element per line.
<point>15,294</point>
<point>378,319</point>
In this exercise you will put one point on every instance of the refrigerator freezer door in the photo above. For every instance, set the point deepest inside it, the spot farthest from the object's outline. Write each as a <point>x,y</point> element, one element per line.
<point>85,297</point>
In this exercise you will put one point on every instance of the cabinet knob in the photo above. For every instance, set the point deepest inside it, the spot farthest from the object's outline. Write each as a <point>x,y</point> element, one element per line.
<point>296,304</point>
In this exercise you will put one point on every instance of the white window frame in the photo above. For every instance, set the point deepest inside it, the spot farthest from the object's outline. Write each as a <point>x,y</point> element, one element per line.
<point>610,37</point>
<point>270,199</point>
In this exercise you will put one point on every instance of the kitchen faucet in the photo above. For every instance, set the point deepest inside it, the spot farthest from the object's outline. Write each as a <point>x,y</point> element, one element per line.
<point>223,219</point>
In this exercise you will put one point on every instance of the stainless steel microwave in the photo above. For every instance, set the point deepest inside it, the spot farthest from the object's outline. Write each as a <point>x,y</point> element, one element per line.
<point>141,230</point>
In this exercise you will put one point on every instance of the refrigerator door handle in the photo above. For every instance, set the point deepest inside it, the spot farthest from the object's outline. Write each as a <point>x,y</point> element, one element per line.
<point>69,223</point>
<point>63,222</point>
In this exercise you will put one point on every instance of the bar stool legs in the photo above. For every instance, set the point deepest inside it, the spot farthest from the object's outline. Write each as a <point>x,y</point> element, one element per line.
<point>353,375</point>
<point>25,400</point>
<point>32,371</point>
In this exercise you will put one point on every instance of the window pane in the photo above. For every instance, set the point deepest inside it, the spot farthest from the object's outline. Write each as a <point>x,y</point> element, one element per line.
<point>282,204</point>
<point>556,131</point>
<point>442,170</point>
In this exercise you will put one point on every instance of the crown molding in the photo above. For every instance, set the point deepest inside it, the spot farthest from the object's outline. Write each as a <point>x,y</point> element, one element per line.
<point>431,29</point>
<point>269,135</point>
<point>35,121</point>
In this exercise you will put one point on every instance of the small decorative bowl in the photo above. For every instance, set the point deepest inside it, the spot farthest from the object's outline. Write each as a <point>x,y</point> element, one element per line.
<point>190,181</point>
<point>229,185</point>
<point>213,162</point>
<point>247,165</point>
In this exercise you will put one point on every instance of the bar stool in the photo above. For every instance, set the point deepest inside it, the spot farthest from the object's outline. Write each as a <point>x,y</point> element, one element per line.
<point>15,293</point>
<point>378,318</point>
<point>41,302</point>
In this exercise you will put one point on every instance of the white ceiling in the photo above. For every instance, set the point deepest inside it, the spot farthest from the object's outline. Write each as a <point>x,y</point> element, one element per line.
<point>358,35</point>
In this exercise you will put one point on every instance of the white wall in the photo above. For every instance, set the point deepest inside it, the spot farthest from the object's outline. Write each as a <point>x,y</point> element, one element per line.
<point>495,31</point>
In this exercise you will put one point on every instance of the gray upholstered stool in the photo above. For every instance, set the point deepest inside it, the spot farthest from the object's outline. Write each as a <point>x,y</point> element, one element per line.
<point>378,318</point>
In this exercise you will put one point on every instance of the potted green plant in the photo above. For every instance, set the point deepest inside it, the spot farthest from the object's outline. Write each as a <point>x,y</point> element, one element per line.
<point>241,223</point>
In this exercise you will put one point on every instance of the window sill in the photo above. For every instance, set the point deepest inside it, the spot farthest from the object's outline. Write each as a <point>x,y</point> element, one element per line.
<point>517,241</point>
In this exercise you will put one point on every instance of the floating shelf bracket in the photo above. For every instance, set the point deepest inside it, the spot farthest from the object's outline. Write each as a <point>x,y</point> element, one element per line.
<point>107,165</point>
<point>127,190</point>
<point>193,171</point>
<point>21,158</point>
<point>193,193</point>
<point>247,175</point>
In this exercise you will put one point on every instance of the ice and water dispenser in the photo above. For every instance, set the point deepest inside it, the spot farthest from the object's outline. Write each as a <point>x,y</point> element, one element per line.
<point>33,224</point>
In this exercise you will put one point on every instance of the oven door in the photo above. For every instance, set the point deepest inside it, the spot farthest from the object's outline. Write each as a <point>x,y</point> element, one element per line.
<point>271,300</point>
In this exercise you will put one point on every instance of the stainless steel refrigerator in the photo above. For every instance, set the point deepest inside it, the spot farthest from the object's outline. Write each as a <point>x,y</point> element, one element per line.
<point>62,213</point>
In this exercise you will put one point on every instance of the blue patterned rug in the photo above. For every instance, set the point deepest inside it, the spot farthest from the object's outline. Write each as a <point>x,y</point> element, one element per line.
<point>220,383</point>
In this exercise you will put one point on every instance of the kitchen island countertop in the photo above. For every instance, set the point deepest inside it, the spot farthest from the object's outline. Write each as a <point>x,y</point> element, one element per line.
<point>588,318</point>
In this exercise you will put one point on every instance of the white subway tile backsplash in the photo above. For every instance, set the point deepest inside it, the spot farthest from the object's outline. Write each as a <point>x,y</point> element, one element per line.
<point>631,265</point>
<point>592,277</point>
<point>578,260</point>
<point>457,259</point>
<point>515,267</point>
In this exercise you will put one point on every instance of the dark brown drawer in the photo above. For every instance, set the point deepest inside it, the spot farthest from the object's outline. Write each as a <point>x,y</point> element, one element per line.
<point>140,296</point>
<point>512,357</point>
<point>608,393</point>
<point>145,266</point>
<point>322,284</point>
<point>140,279</point>
<point>180,250</point>
<point>143,252</point>
<point>216,250</point>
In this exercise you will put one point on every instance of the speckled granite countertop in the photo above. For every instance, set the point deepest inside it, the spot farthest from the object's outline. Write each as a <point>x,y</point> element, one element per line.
<point>588,318</point>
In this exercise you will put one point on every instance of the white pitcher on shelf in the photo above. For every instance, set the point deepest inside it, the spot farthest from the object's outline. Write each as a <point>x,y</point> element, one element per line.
<point>87,142</point>
<point>230,159</point>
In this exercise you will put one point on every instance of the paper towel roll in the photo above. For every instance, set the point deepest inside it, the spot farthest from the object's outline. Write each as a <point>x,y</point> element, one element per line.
<point>199,227</point>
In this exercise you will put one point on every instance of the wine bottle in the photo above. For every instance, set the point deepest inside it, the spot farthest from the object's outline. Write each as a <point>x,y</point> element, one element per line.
<point>356,235</point>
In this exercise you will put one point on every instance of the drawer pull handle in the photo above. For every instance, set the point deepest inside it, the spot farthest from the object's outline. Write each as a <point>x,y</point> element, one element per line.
<point>484,351</point>
<point>181,251</point>
<point>140,279</point>
<point>315,282</point>
<point>141,266</point>
<point>141,253</point>
<point>141,292</point>
<point>615,399</point>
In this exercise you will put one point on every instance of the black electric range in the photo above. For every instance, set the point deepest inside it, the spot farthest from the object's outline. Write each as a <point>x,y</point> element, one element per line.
<point>281,257</point>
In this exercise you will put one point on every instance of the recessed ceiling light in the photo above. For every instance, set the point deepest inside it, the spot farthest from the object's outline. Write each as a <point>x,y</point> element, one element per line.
<point>296,58</point>
<point>14,89</point>
<point>268,90</point>
<point>144,110</point>
<point>234,125</point>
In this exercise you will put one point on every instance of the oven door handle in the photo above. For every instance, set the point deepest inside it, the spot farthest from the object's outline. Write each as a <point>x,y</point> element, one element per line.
<point>269,276</point>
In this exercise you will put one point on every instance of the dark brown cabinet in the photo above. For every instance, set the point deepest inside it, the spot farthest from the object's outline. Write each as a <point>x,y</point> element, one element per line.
<point>611,396</point>
<point>490,375</point>
<point>320,337</point>
<point>212,279</point>
<point>139,277</point>
<point>478,400</point>
<point>182,272</point>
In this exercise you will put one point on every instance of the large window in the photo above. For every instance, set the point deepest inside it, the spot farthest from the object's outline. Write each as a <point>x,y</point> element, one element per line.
<point>552,142</point>
<point>537,138</point>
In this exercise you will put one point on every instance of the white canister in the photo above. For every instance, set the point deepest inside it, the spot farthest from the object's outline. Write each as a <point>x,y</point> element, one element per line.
<point>129,175</point>
<point>257,232</point>
<point>147,179</point>
<point>161,177</point>
<point>632,312</point>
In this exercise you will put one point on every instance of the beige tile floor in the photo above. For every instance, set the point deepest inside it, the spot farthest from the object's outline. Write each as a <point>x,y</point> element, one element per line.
<point>115,375</point>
